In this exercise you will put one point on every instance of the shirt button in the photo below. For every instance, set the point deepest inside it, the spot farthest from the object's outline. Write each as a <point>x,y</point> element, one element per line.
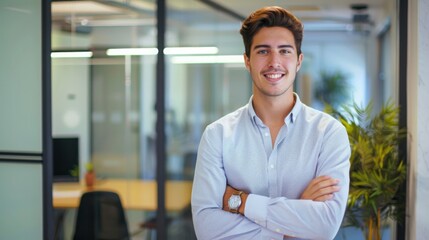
<point>278,230</point>
<point>266,134</point>
<point>272,166</point>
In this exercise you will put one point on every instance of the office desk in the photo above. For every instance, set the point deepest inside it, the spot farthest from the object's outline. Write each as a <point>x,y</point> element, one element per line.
<point>134,193</point>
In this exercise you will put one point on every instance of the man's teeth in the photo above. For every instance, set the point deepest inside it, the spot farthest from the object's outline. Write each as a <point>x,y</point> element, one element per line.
<point>274,75</point>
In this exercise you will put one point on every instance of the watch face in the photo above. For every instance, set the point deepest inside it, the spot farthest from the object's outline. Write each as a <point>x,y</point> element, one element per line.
<point>234,202</point>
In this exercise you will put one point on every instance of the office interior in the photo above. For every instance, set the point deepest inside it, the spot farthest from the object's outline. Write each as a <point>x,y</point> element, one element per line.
<point>89,71</point>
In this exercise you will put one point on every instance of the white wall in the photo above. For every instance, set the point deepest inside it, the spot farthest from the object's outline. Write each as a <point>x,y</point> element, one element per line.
<point>70,103</point>
<point>418,118</point>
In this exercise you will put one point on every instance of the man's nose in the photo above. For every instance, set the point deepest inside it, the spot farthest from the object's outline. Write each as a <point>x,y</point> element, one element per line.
<point>274,60</point>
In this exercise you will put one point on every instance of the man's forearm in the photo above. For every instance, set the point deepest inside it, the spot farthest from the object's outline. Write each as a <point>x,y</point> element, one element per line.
<point>319,189</point>
<point>211,224</point>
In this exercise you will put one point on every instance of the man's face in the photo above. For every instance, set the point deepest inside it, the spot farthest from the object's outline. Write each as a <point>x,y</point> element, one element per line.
<point>273,61</point>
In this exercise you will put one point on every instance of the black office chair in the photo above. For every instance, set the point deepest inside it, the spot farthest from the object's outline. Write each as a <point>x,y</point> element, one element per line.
<point>101,217</point>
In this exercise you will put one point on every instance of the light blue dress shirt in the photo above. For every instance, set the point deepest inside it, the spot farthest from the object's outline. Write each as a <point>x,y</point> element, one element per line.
<point>237,150</point>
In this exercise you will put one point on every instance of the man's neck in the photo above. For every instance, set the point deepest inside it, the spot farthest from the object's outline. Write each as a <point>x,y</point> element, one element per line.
<point>273,110</point>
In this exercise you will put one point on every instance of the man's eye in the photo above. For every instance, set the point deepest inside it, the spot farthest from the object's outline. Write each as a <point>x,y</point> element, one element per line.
<point>285,51</point>
<point>262,51</point>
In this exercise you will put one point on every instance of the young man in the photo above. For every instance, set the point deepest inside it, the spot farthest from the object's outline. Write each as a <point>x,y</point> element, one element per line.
<point>274,168</point>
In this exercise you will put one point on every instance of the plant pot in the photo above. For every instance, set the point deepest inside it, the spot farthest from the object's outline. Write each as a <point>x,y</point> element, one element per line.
<point>90,179</point>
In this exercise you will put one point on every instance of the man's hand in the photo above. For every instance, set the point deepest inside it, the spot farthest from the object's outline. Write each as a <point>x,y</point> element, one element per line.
<point>321,189</point>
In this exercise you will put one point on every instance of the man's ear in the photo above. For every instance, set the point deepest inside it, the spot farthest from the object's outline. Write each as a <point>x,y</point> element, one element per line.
<point>299,63</point>
<point>246,61</point>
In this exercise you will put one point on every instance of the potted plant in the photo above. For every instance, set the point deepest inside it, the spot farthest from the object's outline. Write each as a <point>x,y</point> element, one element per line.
<point>74,172</point>
<point>376,170</point>
<point>90,174</point>
<point>332,88</point>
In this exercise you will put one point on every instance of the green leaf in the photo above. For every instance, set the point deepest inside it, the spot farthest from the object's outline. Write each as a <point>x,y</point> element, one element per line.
<point>376,171</point>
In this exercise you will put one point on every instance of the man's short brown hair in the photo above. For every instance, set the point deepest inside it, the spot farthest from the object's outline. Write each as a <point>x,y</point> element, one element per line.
<point>271,17</point>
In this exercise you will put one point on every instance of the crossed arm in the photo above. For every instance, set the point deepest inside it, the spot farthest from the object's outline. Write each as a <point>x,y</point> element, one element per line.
<point>319,189</point>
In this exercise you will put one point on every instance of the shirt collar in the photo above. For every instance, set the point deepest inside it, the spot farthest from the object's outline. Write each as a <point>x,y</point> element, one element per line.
<point>290,118</point>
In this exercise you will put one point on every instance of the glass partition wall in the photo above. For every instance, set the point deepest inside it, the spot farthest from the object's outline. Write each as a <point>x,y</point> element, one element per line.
<point>24,160</point>
<point>106,98</point>
<point>106,94</point>
<point>203,83</point>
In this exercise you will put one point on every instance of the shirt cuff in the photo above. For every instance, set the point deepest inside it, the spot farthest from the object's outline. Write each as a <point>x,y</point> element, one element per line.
<point>256,209</point>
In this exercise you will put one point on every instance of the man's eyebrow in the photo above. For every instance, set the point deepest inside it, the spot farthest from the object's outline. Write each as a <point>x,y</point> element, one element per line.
<point>286,46</point>
<point>261,46</point>
<point>268,46</point>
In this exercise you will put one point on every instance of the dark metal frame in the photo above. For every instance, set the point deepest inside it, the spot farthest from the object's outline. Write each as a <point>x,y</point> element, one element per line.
<point>403,49</point>
<point>47,165</point>
<point>161,222</point>
<point>221,8</point>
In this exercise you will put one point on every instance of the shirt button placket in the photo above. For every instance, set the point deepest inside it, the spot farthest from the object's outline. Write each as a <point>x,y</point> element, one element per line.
<point>267,143</point>
<point>272,175</point>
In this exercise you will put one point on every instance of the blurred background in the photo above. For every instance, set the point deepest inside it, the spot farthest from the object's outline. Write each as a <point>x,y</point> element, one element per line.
<point>105,96</point>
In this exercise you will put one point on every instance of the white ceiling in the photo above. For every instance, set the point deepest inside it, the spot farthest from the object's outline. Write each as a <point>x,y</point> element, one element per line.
<point>305,9</point>
<point>308,10</point>
<point>319,15</point>
<point>316,14</point>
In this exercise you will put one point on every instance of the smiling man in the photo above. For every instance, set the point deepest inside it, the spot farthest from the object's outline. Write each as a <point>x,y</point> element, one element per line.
<point>275,168</point>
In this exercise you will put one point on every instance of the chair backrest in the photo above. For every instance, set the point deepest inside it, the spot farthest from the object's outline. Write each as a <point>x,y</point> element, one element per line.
<point>100,216</point>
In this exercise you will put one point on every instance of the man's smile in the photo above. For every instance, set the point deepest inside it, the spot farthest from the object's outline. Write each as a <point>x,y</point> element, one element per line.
<point>273,77</point>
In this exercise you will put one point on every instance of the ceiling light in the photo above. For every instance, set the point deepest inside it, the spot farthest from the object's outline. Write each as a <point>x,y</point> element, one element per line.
<point>190,50</point>
<point>167,51</point>
<point>81,54</point>
<point>207,59</point>
<point>131,51</point>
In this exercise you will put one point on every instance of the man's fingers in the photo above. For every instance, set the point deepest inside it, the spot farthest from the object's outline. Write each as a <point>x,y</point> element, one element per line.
<point>324,197</point>
<point>320,179</point>
<point>322,184</point>
<point>326,191</point>
<point>321,188</point>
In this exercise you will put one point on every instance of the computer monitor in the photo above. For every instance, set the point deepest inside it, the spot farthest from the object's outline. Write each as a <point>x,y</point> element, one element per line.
<point>66,159</point>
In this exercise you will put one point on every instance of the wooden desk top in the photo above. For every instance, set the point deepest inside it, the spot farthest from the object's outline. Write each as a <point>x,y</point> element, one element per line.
<point>134,193</point>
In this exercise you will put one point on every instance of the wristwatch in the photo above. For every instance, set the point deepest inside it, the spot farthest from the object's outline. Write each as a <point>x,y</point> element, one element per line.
<point>234,202</point>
